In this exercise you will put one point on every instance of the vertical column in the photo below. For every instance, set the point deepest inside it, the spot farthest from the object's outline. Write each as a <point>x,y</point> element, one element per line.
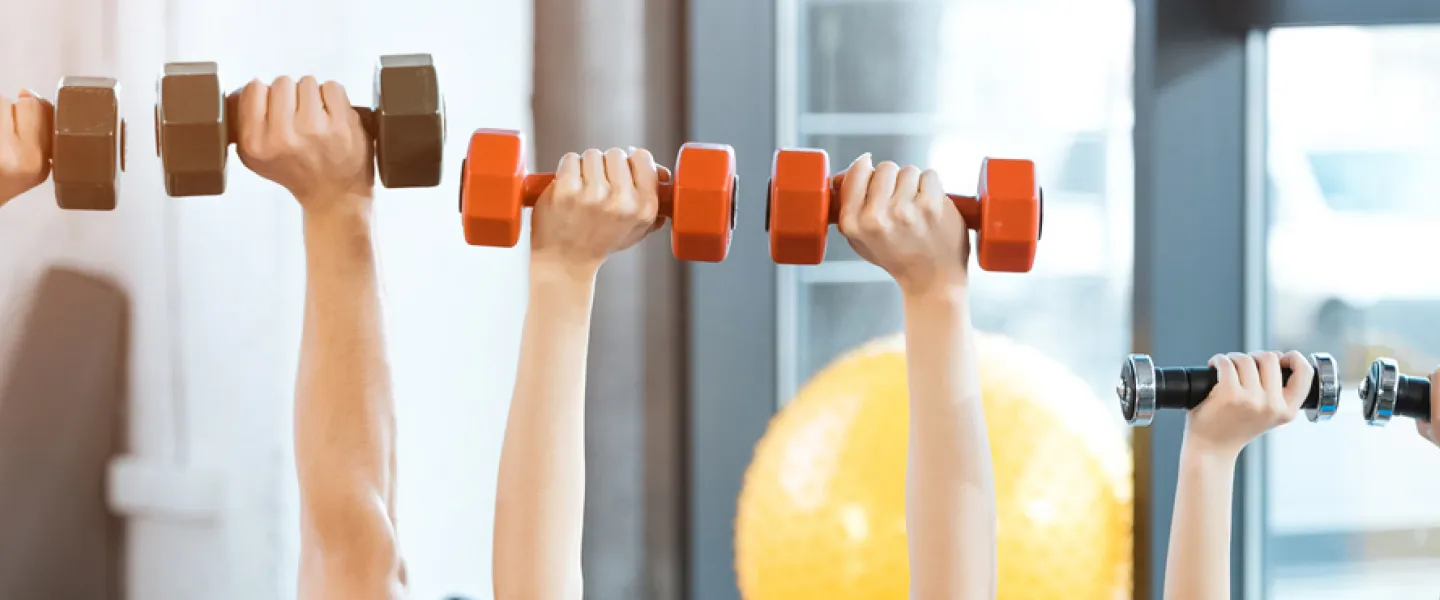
<point>731,330</point>
<point>1191,245</point>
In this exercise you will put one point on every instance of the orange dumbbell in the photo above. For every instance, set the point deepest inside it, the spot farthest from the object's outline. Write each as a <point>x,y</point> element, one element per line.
<point>699,199</point>
<point>805,200</point>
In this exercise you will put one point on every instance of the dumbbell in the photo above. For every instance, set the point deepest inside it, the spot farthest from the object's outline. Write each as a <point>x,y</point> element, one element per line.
<point>699,200</point>
<point>1143,388</point>
<point>195,125</point>
<point>804,200</point>
<point>1386,392</point>
<point>87,152</point>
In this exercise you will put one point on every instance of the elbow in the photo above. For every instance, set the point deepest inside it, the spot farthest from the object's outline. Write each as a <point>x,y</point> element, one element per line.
<point>353,538</point>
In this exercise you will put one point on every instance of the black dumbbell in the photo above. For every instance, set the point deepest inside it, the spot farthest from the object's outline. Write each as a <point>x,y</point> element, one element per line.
<point>1387,393</point>
<point>1143,389</point>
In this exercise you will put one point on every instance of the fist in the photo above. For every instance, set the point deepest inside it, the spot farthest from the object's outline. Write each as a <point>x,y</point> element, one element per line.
<point>599,204</point>
<point>1427,427</point>
<point>25,138</point>
<point>1250,397</point>
<point>306,137</point>
<point>900,220</point>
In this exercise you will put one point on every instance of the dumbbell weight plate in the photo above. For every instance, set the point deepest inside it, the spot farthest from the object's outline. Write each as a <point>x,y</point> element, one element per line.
<point>1136,389</point>
<point>192,129</point>
<point>88,154</point>
<point>1008,234</point>
<point>704,202</point>
<point>409,115</point>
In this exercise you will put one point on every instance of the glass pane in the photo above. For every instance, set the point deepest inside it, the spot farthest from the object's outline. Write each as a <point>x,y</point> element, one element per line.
<point>841,316</point>
<point>1353,510</point>
<point>871,56</point>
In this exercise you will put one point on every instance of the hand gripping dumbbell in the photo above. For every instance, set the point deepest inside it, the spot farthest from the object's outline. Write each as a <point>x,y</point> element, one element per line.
<point>1143,388</point>
<point>699,200</point>
<point>195,125</point>
<point>804,200</point>
<point>1386,392</point>
<point>87,152</point>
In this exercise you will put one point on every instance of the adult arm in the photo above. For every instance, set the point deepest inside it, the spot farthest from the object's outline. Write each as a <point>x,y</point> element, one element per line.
<point>345,416</point>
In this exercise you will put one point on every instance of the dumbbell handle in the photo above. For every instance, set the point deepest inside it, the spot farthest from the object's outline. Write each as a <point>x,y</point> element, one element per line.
<point>1187,387</point>
<point>969,206</point>
<point>367,118</point>
<point>535,183</point>
<point>1412,398</point>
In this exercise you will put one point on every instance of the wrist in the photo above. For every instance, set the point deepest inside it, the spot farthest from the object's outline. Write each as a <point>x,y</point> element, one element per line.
<point>547,272</point>
<point>1209,452</point>
<point>352,211</point>
<point>951,296</point>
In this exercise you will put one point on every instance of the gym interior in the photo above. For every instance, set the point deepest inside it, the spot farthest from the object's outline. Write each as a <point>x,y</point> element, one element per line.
<point>1219,174</point>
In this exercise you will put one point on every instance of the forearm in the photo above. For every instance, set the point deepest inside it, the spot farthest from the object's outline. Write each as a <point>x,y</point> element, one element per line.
<point>1198,565</point>
<point>539,508</point>
<point>950,496</point>
<point>344,411</point>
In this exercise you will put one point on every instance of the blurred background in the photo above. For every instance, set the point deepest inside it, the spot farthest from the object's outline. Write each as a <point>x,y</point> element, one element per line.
<point>1219,175</point>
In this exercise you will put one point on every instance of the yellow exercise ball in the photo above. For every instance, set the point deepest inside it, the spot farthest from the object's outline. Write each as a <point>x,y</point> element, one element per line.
<point>821,513</point>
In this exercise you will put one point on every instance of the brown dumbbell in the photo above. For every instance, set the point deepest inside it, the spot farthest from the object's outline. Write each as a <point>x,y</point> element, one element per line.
<point>1007,213</point>
<point>195,125</point>
<point>88,150</point>
<point>699,200</point>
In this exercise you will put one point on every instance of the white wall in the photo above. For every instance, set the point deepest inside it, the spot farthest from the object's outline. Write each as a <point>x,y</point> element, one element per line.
<point>217,284</point>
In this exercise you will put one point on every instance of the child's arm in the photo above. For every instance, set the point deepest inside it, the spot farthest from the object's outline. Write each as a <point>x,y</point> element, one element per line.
<point>901,220</point>
<point>1249,398</point>
<point>25,128</point>
<point>597,205</point>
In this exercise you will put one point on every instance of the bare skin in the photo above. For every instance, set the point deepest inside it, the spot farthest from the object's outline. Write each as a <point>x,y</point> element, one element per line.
<point>1429,428</point>
<point>307,138</point>
<point>1249,399</point>
<point>900,220</point>
<point>599,204</point>
<point>25,139</point>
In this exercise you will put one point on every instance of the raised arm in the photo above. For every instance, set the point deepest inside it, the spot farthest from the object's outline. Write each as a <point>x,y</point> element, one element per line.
<point>24,144</point>
<point>1249,398</point>
<point>597,205</point>
<point>307,138</point>
<point>900,220</point>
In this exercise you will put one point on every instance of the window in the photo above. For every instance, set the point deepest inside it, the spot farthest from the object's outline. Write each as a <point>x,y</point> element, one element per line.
<point>1352,243</point>
<point>943,85</point>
